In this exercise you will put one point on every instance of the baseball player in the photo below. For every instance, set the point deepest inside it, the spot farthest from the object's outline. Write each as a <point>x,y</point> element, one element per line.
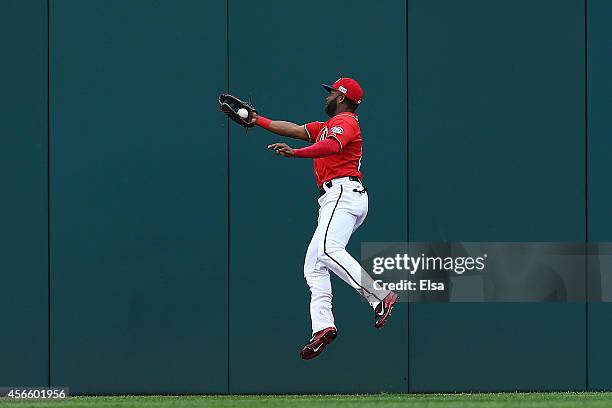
<point>337,150</point>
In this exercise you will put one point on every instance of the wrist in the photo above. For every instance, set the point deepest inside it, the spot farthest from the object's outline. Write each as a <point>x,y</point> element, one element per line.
<point>263,122</point>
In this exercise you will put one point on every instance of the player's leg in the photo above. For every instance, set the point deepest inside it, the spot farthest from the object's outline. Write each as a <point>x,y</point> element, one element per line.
<point>347,213</point>
<point>341,213</point>
<point>318,279</point>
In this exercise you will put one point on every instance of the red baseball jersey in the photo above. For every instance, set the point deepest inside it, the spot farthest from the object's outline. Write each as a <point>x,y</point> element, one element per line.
<point>344,127</point>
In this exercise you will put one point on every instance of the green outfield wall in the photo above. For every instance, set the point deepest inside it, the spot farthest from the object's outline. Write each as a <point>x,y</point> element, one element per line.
<point>496,137</point>
<point>149,246</point>
<point>24,332</point>
<point>139,223</point>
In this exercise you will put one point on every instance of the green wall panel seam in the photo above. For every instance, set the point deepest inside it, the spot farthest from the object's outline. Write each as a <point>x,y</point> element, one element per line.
<point>407,7</point>
<point>227,73</point>
<point>586,198</point>
<point>48,192</point>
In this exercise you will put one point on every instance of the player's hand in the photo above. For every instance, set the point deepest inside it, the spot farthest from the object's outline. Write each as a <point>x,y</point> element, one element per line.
<point>254,117</point>
<point>281,149</point>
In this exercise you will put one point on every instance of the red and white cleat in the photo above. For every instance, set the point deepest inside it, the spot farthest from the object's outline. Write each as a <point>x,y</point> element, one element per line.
<point>383,310</point>
<point>318,342</point>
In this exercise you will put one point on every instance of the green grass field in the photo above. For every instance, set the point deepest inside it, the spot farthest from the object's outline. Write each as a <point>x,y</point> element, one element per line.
<point>345,401</point>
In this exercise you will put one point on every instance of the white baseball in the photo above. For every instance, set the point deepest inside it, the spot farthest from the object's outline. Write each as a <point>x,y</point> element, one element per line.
<point>243,113</point>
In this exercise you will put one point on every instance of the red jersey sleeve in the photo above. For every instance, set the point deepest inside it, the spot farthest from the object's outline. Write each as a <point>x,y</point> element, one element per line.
<point>343,129</point>
<point>313,129</point>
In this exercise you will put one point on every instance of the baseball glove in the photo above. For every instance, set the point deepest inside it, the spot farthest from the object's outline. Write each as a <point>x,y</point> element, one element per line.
<point>230,105</point>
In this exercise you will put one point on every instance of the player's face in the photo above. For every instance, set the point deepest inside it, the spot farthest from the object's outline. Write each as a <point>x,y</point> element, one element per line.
<point>331,103</point>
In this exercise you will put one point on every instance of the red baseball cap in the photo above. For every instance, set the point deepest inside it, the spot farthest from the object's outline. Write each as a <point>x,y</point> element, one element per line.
<point>349,87</point>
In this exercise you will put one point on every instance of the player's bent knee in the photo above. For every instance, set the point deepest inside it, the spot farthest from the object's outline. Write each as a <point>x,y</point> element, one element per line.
<point>329,257</point>
<point>332,246</point>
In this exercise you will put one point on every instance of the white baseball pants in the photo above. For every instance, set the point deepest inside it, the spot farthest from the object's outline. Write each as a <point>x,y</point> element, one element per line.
<point>343,209</point>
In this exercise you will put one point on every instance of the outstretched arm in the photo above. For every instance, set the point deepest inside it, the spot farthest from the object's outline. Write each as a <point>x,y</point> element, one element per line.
<point>280,127</point>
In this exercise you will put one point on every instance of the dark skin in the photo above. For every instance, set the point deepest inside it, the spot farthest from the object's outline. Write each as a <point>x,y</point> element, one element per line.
<point>295,131</point>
